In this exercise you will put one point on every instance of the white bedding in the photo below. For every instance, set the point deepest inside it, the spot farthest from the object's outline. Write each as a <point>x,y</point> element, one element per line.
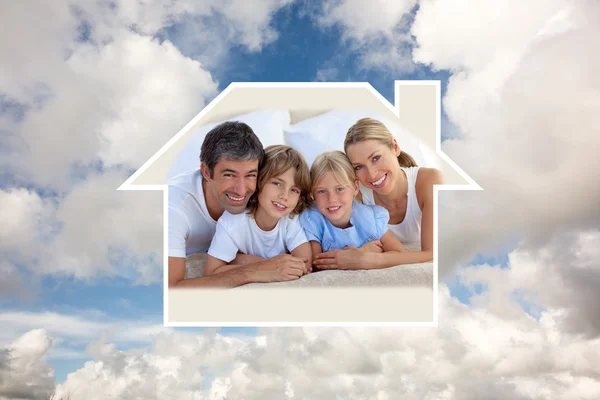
<point>409,275</point>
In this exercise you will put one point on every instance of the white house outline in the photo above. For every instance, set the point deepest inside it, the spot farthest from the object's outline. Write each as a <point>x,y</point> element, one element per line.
<point>130,184</point>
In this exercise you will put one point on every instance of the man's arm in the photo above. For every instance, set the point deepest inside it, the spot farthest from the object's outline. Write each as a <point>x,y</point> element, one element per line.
<point>228,279</point>
<point>284,267</point>
<point>215,266</point>
<point>245,259</point>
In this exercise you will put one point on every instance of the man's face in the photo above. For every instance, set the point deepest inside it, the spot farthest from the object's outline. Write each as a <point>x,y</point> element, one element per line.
<point>232,183</point>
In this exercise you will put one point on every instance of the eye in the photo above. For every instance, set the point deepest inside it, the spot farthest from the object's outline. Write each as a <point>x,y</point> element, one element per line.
<point>276,183</point>
<point>320,191</point>
<point>340,189</point>
<point>357,167</point>
<point>296,190</point>
<point>251,175</point>
<point>227,175</point>
<point>376,158</point>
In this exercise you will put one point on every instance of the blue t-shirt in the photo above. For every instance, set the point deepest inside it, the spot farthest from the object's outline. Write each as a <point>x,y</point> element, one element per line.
<point>368,223</point>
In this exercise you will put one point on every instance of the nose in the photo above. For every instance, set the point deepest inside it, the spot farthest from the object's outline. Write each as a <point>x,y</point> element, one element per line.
<point>283,195</point>
<point>239,187</point>
<point>330,196</point>
<point>372,174</point>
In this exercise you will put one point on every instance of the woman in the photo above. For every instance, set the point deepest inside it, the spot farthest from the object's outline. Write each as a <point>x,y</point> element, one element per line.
<point>389,178</point>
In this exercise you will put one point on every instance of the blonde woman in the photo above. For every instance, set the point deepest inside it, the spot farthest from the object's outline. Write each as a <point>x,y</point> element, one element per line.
<point>390,178</point>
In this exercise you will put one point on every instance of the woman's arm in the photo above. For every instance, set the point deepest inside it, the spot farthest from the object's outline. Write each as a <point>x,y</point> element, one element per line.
<point>426,179</point>
<point>305,251</point>
<point>389,242</point>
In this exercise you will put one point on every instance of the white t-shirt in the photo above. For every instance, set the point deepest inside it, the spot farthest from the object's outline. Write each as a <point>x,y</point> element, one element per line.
<point>240,232</point>
<point>191,228</point>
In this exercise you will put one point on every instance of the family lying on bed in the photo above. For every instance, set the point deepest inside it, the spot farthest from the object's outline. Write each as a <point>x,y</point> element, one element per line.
<point>262,216</point>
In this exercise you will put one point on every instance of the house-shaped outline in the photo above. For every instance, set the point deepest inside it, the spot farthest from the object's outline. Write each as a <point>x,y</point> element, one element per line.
<point>305,100</point>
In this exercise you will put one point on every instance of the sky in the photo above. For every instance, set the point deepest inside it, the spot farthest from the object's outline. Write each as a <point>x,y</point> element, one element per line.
<point>83,82</point>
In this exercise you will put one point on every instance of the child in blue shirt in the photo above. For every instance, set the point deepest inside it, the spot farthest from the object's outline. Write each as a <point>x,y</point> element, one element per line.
<point>337,221</point>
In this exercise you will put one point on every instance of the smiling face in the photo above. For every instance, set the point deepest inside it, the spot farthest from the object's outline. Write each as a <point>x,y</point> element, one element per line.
<point>232,183</point>
<point>278,197</point>
<point>334,199</point>
<point>375,164</point>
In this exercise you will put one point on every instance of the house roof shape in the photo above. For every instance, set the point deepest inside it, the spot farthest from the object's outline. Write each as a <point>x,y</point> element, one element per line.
<point>412,99</point>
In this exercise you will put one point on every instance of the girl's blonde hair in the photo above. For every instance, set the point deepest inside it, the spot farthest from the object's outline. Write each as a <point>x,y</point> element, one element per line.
<point>335,162</point>
<point>371,129</point>
<point>278,159</point>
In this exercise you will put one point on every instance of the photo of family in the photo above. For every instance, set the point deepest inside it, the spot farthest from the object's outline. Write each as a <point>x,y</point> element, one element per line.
<point>264,215</point>
<point>303,204</point>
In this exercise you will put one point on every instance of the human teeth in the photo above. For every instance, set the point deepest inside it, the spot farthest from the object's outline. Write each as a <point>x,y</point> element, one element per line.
<point>334,208</point>
<point>235,198</point>
<point>379,181</point>
<point>279,205</point>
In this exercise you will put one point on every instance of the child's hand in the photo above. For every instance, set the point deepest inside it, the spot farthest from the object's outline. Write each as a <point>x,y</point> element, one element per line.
<point>374,246</point>
<point>286,267</point>
<point>349,258</point>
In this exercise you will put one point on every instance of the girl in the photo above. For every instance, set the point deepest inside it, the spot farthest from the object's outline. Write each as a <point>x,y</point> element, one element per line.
<point>268,227</point>
<point>339,222</point>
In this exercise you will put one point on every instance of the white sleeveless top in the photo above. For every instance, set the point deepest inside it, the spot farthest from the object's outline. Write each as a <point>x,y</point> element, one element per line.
<point>409,230</point>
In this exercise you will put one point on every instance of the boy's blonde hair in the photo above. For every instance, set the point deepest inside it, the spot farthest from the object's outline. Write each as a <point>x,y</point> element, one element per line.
<point>371,129</point>
<point>335,162</point>
<point>278,159</point>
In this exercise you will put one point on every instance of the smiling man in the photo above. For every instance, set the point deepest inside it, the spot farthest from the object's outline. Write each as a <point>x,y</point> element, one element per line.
<point>230,158</point>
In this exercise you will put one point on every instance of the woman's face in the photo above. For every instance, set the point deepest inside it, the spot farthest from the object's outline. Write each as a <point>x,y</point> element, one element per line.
<point>375,164</point>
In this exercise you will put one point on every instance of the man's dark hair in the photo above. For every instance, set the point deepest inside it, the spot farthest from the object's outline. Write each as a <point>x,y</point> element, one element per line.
<point>231,140</point>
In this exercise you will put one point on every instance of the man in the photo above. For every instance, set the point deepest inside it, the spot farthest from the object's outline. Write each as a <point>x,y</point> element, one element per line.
<point>230,157</point>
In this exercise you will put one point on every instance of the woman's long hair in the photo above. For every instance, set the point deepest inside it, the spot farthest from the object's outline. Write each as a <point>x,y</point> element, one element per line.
<point>372,129</point>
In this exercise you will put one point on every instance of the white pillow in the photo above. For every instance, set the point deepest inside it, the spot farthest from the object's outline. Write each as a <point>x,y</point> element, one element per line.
<point>326,132</point>
<point>267,124</point>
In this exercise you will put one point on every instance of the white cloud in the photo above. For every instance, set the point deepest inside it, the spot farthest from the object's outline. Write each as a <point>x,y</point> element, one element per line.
<point>122,234</point>
<point>376,32</point>
<point>360,21</point>
<point>124,100</point>
<point>327,74</point>
<point>475,353</point>
<point>147,90</point>
<point>526,108</point>
<point>251,20</point>
<point>524,97</point>
<point>92,231</point>
<point>23,214</point>
<point>561,275</point>
<point>38,53</point>
<point>24,373</point>
<point>83,327</point>
<point>14,284</point>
